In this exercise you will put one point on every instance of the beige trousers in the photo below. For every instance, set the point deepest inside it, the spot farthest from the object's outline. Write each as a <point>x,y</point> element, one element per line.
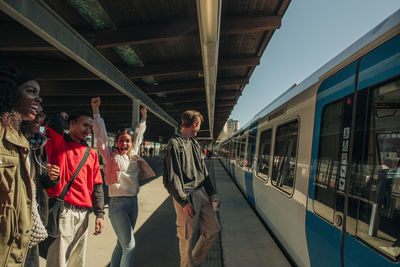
<point>69,249</point>
<point>205,220</point>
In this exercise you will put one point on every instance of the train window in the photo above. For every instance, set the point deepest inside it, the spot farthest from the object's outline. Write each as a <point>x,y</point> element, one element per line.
<point>233,154</point>
<point>328,160</point>
<point>264,153</point>
<point>251,149</point>
<point>380,64</point>
<point>374,192</point>
<point>285,156</point>
<point>242,145</point>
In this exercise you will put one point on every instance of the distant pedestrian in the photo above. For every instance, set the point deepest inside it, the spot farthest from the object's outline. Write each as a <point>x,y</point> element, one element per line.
<point>192,191</point>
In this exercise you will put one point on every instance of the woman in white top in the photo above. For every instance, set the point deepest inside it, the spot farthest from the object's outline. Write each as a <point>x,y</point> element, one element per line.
<point>121,175</point>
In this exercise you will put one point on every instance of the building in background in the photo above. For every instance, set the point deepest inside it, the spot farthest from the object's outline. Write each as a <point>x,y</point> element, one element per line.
<point>230,127</point>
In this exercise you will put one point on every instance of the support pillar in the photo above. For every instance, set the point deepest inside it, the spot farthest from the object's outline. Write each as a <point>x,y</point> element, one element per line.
<point>135,113</point>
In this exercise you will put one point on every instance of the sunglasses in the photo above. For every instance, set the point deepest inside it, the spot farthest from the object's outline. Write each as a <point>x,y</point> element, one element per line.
<point>126,131</point>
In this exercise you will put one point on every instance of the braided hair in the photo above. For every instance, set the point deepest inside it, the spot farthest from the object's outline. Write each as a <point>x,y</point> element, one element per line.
<point>9,98</point>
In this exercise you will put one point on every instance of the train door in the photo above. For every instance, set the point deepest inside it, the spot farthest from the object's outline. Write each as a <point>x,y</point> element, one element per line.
<point>324,221</point>
<point>355,190</point>
<point>250,160</point>
<point>373,191</point>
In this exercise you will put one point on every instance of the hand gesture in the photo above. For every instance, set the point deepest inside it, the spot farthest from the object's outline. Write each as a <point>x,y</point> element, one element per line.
<point>95,104</point>
<point>54,171</point>
<point>143,111</point>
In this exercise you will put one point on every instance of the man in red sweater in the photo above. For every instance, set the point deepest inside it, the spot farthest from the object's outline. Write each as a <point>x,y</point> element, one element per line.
<point>66,151</point>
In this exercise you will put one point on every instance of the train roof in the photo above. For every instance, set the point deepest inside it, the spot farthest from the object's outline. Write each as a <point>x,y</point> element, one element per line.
<point>383,27</point>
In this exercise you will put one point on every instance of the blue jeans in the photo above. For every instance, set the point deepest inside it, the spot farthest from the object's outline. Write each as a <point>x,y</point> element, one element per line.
<point>123,213</point>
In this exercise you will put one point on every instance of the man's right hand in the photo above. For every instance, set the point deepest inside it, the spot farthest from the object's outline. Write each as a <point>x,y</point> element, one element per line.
<point>54,171</point>
<point>96,104</point>
<point>188,210</point>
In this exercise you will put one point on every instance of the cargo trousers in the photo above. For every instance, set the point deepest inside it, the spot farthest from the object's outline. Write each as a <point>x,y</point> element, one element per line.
<point>69,249</point>
<point>204,219</point>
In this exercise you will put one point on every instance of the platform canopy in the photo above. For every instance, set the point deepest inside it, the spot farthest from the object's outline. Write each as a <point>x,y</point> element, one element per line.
<point>166,55</point>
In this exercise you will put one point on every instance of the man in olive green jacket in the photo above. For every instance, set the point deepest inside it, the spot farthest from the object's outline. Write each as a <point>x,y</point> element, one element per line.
<point>15,198</point>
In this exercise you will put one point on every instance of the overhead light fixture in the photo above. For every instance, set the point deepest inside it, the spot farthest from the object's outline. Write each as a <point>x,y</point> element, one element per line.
<point>209,16</point>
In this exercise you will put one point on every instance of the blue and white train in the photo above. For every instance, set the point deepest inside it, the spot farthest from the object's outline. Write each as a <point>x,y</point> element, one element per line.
<point>321,164</point>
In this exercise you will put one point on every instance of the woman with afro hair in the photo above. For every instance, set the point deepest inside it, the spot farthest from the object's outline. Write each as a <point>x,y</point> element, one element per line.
<point>19,101</point>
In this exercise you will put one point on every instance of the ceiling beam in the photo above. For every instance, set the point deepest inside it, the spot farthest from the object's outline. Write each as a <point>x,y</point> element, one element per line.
<point>237,25</point>
<point>178,30</point>
<point>77,88</point>
<point>104,109</point>
<point>18,38</point>
<point>173,68</point>
<point>189,86</point>
<point>44,70</point>
<point>69,70</point>
<point>43,21</point>
<point>201,109</point>
<point>197,105</point>
<point>145,34</point>
<point>199,97</point>
<point>84,101</point>
<point>21,39</point>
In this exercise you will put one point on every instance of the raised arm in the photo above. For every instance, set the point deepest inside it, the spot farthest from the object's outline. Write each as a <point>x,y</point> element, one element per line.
<point>100,131</point>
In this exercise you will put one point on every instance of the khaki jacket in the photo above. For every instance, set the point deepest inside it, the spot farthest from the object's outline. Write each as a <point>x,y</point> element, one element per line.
<point>15,198</point>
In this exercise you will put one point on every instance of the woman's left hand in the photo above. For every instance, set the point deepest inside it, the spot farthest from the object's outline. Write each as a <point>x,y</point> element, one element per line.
<point>143,111</point>
<point>54,171</point>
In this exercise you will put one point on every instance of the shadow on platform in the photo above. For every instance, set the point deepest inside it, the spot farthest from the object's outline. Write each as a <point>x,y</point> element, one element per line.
<point>156,241</point>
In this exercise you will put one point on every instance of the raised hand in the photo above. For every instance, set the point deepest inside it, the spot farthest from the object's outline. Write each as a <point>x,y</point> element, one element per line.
<point>143,111</point>
<point>96,104</point>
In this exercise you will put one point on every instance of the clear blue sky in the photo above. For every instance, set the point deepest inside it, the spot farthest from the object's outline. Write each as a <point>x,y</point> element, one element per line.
<point>312,33</point>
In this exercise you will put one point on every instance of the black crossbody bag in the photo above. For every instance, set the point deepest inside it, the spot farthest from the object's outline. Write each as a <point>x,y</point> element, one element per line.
<point>56,206</point>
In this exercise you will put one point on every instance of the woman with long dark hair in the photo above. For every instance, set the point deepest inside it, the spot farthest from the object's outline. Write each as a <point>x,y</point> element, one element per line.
<point>121,170</point>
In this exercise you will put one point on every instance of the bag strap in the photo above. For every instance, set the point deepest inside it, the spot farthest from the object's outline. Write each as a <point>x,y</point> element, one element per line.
<point>69,184</point>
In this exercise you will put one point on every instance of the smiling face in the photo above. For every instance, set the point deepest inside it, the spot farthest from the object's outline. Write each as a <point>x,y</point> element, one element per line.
<point>80,128</point>
<point>37,122</point>
<point>124,143</point>
<point>28,100</point>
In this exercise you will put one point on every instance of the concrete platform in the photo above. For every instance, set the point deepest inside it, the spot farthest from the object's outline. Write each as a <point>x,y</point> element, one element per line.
<point>243,239</point>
